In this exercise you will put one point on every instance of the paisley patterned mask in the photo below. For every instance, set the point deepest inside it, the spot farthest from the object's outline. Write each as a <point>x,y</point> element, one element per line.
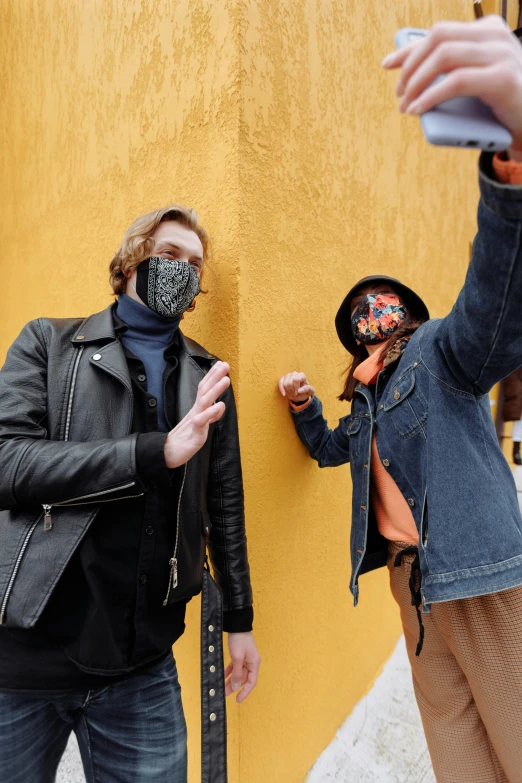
<point>167,287</point>
<point>376,317</point>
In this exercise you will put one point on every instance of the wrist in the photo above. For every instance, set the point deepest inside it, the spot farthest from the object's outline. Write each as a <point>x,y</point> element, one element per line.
<point>301,405</point>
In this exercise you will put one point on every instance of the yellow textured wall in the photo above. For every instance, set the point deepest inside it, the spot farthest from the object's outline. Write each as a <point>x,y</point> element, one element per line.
<point>275,121</point>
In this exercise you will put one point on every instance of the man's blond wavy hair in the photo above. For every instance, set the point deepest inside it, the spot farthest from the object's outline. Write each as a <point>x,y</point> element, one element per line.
<point>138,243</point>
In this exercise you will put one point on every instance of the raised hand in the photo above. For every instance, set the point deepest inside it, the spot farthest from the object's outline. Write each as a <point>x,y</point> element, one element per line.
<point>481,59</point>
<point>295,386</point>
<point>191,433</point>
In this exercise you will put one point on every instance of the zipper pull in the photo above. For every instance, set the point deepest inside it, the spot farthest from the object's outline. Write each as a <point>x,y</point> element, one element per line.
<point>173,578</point>
<point>48,522</point>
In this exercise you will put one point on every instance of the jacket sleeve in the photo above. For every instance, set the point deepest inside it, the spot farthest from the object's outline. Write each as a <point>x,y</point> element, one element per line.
<point>35,470</point>
<point>225,502</point>
<point>329,447</point>
<point>480,341</point>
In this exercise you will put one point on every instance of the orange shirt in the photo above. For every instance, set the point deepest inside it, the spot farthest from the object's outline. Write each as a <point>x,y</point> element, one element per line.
<point>393,514</point>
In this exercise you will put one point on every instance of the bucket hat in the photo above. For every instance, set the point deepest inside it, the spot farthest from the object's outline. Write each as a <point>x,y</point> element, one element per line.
<point>343,319</point>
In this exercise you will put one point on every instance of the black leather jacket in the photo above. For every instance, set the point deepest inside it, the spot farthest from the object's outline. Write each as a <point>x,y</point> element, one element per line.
<point>65,418</point>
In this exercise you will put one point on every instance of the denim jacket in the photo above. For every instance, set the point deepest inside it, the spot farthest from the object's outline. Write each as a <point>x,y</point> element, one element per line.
<point>434,429</point>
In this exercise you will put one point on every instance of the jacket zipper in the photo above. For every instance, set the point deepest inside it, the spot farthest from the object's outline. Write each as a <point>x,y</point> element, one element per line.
<point>173,562</point>
<point>48,522</point>
<point>71,394</point>
<point>15,570</point>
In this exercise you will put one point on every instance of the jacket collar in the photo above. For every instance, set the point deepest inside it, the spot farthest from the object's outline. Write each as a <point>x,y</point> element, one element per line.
<point>96,328</point>
<point>100,327</point>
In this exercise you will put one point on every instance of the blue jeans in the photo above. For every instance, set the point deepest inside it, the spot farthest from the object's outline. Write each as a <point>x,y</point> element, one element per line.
<point>130,732</point>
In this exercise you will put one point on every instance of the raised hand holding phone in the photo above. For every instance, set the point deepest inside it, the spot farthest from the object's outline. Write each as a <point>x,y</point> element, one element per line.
<point>481,59</point>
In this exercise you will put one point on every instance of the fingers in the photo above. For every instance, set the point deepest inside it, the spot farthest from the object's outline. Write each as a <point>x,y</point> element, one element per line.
<point>210,415</point>
<point>213,392</point>
<point>247,680</point>
<point>306,389</point>
<point>485,30</point>
<point>467,44</point>
<point>234,685</point>
<point>290,384</point>
<point>238,675</point>
<point>446,58</point>
<point>214,376</point>
<point>253,674</point>
<point>461,83</point>
<point>248,687</point>
<point>396,59</point>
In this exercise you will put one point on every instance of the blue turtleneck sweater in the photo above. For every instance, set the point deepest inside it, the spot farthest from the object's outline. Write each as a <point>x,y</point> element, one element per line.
<point>148,334</point>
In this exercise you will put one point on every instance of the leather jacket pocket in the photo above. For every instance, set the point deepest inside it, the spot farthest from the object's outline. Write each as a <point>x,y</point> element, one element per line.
<point>406,405</point>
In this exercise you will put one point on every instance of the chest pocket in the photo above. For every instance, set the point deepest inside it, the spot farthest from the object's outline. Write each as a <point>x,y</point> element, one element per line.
<point>406,405</point>
<point>353,431</point>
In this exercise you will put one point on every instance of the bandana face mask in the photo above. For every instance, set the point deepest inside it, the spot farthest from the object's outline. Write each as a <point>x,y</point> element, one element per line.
<point>167,287</point>
<point>376,318</point>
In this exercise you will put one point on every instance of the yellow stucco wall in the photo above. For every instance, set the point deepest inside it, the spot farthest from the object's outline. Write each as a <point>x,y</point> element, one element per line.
<point>275,121</point>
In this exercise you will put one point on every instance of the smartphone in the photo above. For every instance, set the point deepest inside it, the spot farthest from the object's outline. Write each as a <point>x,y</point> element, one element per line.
<point>459,122</point>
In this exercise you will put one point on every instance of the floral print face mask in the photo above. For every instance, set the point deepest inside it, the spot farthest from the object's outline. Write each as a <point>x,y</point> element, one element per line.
<point>376,317</point>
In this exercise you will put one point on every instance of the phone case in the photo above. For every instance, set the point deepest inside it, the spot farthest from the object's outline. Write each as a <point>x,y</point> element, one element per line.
<point>459,122</point>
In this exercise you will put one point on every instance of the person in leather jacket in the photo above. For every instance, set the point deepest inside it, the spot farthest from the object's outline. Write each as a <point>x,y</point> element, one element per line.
<point>433,496</point>
<point>119,467</point>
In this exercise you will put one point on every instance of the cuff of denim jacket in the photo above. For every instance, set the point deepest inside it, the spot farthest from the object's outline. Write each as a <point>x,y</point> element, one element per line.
<point>306,411</point>
<point>150,457</point>
<point>299,406</point>
<point>507,171</point>
<point>238,620</point>
<point>503,199</point>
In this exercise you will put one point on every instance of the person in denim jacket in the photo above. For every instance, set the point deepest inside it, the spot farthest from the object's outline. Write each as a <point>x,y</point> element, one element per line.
<point>433,496</point>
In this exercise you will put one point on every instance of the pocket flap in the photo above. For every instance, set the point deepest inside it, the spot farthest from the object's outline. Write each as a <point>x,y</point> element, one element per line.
<point>399,390</point>
<point>354,426</point>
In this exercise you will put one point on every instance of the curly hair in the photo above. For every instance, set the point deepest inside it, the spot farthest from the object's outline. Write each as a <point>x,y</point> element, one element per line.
<point>138,243</point>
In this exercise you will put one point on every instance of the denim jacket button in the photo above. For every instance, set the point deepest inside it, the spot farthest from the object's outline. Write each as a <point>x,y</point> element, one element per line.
<point>386,463</point>
<point>397,394</point>
<point>411,502</point>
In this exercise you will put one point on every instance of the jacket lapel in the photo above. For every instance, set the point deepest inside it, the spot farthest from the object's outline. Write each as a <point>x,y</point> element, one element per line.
<point>102,346</point>
<point>194,363</point>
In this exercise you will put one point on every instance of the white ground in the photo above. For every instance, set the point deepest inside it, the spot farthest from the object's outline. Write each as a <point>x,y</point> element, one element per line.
<point>71,770</point>
<point>382,740</point>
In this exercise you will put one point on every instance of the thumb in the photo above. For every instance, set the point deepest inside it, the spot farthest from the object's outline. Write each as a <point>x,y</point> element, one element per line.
<point>237,674</point>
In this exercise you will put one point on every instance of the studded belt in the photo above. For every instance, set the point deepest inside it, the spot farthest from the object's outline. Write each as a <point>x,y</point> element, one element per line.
<point>213,706</point>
